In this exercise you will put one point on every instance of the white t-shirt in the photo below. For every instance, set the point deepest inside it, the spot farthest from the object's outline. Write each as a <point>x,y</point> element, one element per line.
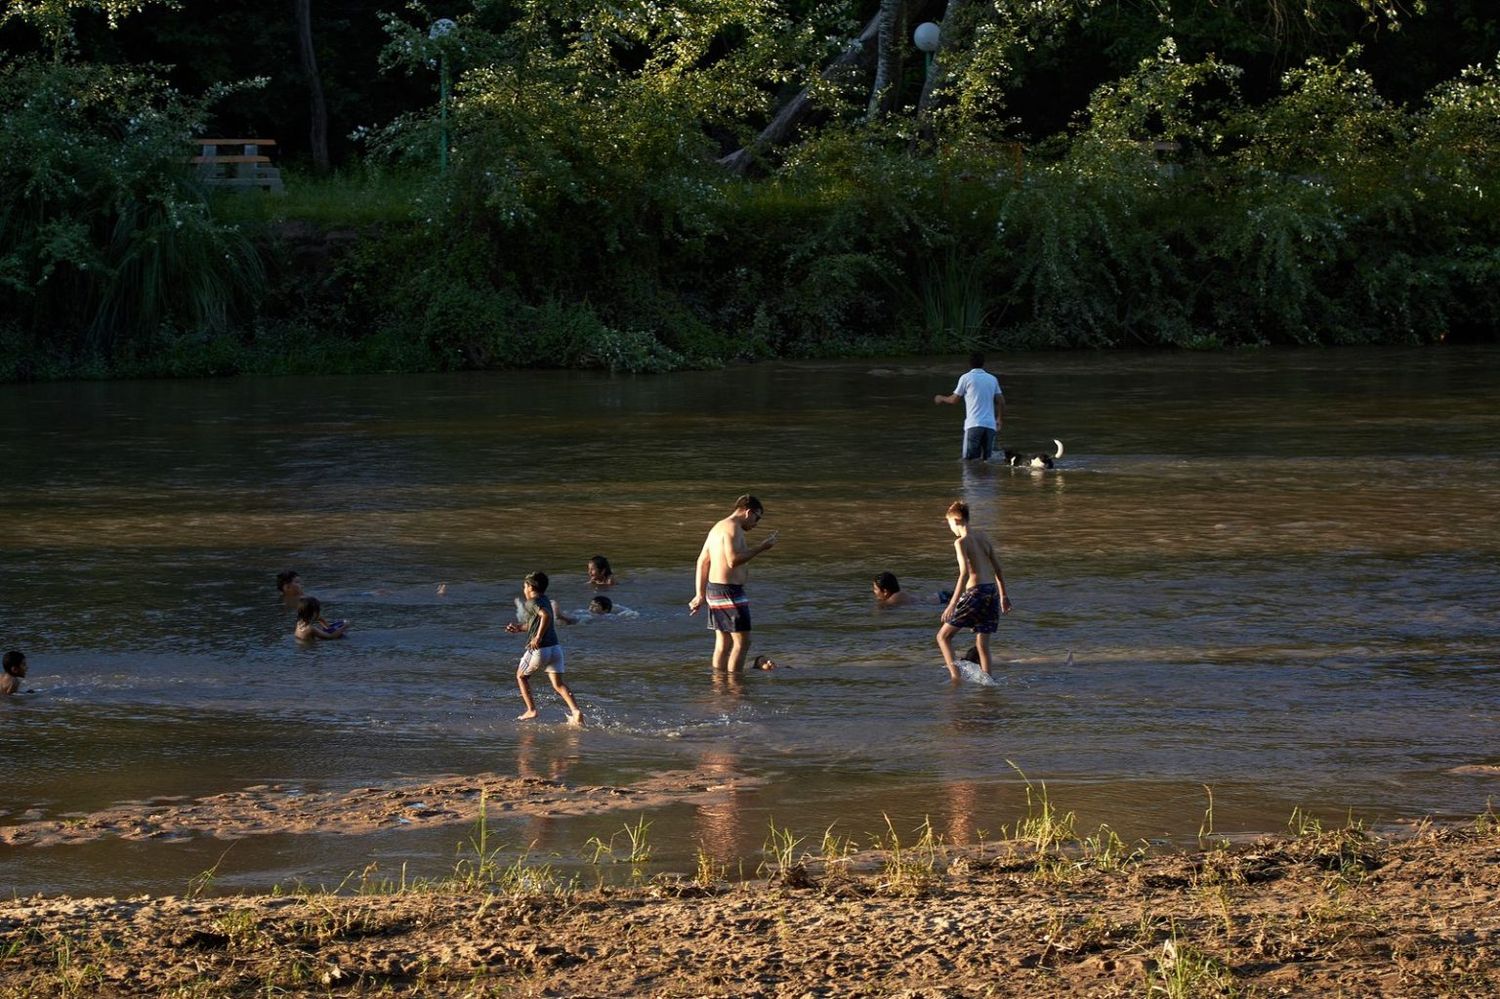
<point>979,389</point>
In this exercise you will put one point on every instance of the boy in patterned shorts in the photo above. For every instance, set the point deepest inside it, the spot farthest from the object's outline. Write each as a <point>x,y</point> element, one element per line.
<point>979,595</point>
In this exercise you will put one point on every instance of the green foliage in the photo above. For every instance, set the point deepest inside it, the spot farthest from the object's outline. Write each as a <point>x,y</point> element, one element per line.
<point>358,196</point>
<point>54,19</point>
<point>103,234</point>
<point>584,219</point>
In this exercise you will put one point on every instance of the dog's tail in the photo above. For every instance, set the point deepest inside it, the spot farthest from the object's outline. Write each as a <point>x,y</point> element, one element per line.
<point>1059,448</point>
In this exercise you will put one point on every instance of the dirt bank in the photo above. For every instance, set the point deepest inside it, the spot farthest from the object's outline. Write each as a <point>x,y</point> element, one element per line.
<point>1324,913</point>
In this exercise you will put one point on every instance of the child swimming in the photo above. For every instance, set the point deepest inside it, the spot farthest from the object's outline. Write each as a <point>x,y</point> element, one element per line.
<point>600,574</point>
<point>15,672</point>
<point>888,592</point>
<point>310,623</point>
<point>289,585</point>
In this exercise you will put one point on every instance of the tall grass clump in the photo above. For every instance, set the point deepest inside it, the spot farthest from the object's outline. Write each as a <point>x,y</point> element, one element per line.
<point>1185,971</point>
<point>911,868</point>
<point>782,864</point>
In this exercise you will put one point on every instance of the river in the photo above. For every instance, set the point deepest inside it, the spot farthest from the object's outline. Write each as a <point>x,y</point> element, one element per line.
<point>1269,574</point>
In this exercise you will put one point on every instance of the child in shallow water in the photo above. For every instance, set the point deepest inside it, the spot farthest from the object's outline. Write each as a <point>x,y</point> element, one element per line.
<point>543,650</point>
<point>310,622</point>
<point>289,584</point>
<point>600,574</point>
<point>15,672</point>
<point>888,592</point>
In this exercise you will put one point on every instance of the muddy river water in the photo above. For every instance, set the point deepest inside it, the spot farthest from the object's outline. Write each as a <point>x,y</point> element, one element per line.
<point>1270,574</point>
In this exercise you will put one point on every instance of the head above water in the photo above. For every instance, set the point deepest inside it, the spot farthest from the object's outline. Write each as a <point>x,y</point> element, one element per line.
<point>287,578</point>
<point>887,583</point>
<point>537,581</point>
<point>958,510</point>
<point>601,605</point>
<point>15,662</point>
<point>309,609</point>
<point>599,568</point>
<point>749,504</point>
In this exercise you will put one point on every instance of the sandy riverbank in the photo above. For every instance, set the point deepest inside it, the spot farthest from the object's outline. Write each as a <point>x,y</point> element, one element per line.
<point>1322,913</point>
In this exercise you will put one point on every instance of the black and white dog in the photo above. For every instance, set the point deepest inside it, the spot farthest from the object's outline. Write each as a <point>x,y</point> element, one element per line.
<point>1016,459</point>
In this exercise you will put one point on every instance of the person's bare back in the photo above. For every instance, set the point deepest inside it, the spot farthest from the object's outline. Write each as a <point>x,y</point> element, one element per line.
<point>979,596</point>
<point>977,560</point>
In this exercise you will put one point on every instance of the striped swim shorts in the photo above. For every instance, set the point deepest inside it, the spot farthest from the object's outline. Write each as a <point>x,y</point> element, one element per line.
<point>728,607</point>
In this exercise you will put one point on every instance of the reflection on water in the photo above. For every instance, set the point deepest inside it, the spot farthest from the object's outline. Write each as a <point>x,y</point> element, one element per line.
<point>1270,573</point>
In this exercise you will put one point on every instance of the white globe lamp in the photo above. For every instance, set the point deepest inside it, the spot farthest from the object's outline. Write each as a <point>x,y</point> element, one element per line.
<point>927,37</point>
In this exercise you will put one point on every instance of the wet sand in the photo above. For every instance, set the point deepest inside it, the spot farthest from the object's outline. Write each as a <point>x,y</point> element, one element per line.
<point>1320,913</point>
<point>264,809</point>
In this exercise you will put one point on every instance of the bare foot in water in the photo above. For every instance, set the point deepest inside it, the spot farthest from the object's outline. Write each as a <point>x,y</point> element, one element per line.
<point>576,719</point>
<point>526,717</point>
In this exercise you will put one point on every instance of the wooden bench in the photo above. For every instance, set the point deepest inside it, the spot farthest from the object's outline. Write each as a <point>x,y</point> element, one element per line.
<point>241,164</point>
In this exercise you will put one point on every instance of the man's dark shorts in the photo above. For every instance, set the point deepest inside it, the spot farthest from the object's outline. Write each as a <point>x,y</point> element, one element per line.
<point>728,607</point>
<point>979,442</point>
<point>979,608</point>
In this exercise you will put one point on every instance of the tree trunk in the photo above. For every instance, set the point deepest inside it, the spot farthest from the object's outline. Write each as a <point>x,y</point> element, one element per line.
<point>937,74</point>
<point>890,16</point>
<point>793,111</point>
<point>318,131</point>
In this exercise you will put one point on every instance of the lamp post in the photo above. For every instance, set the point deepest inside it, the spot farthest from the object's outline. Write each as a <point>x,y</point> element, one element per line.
<point>928,37</point>
<point>440,29</point>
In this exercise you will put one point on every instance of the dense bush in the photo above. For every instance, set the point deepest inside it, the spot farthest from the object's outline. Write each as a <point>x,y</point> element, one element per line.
<point>104,236</point>
<point>583,220</point>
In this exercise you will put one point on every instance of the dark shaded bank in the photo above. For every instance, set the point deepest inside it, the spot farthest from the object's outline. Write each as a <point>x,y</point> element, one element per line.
<point>398,296</point>
<point>1316,913</point>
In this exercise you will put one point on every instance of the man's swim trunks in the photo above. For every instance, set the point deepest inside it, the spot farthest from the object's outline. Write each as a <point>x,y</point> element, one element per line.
<point>978,608</point>
<point>728,607</point>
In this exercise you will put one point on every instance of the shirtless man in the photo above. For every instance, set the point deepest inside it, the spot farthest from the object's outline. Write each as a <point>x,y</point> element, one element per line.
<point>720,581</point>
<point>979,596</point>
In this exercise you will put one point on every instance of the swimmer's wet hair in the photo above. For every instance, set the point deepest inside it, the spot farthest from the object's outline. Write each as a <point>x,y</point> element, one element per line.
<point>749,504</point>
<point>282,578</point>
<point>309,609</point>
<point>604,604</point>
<point>538,581</point>
<point>601,565</point>
<point>888,583</point>
<point>960,510</point>
<point>14,659</point>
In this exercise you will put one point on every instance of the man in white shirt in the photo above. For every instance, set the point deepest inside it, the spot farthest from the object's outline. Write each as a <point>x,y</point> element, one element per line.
<point>984,408</point>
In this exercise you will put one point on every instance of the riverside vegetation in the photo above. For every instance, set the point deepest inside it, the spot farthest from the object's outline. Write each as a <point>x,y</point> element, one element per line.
<point>1041,911</point>
<point>1225,176</point>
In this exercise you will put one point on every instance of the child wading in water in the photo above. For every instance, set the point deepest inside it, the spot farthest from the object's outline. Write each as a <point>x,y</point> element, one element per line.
<point>542,648</point>
<point>979,596</point>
